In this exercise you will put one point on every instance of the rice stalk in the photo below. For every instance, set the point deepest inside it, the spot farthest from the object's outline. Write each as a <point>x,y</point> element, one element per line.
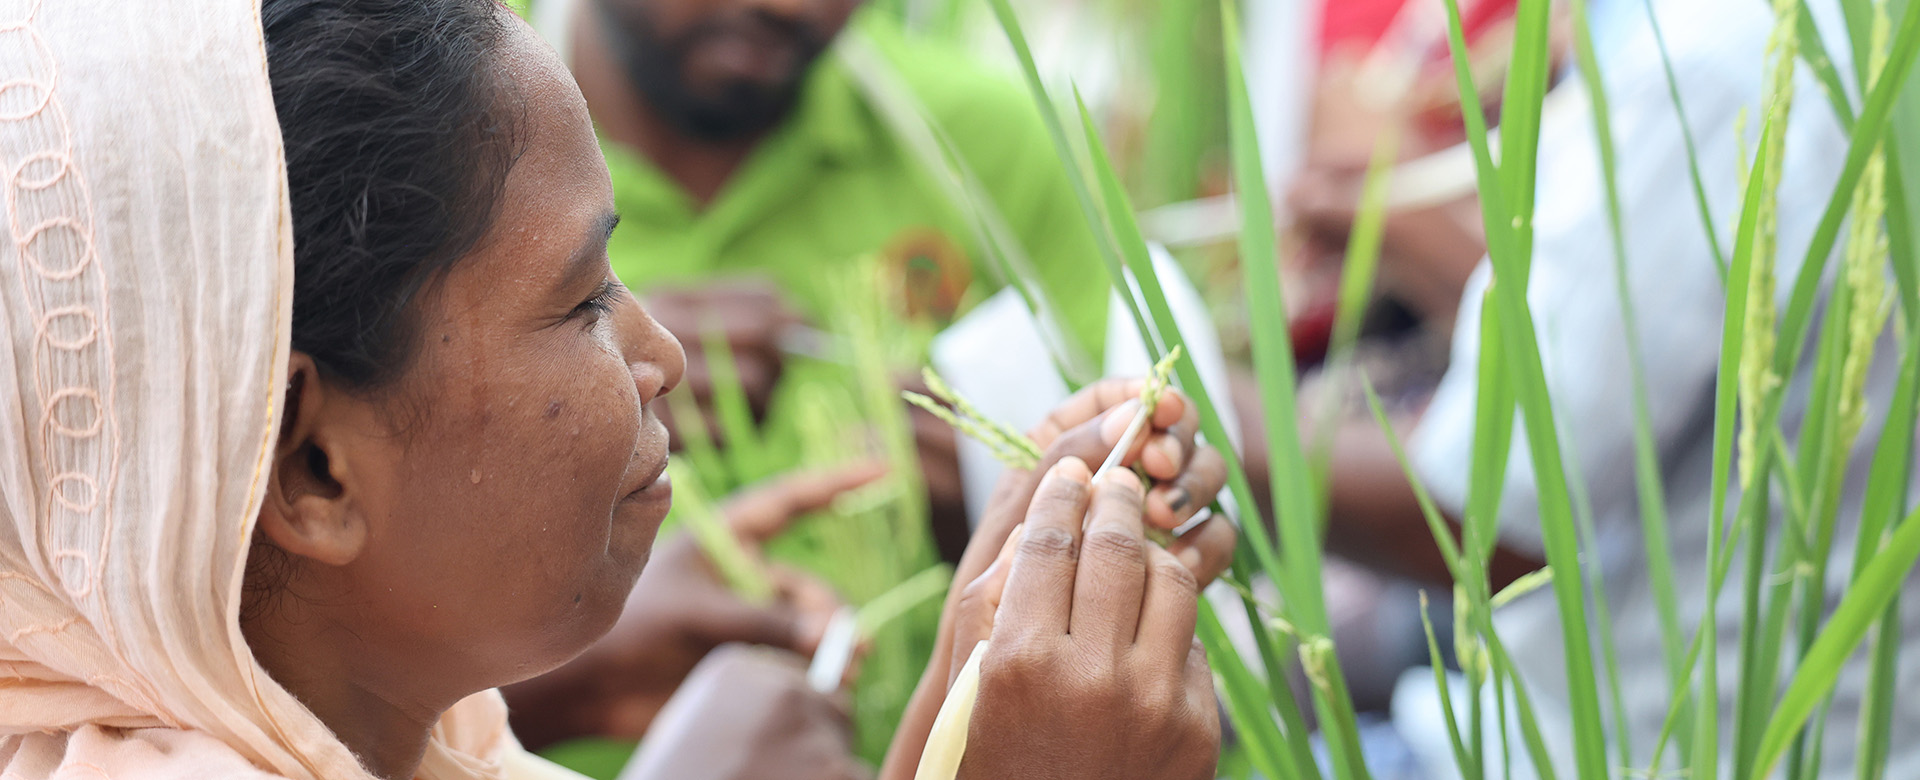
<point>1493,414</point>
<point>740,570</point>
<point>1012,438</point>
<point>1867,305</point>
<point>1862,605</point>
<point>1249,705</point>
<point>1016,452</point>
<point>1363,249</point>
<point>1651,490</point>
<point>1872,126</point>
<point>696,444</point>
<point>1708,224</point>
<point>882,610</point>
<point>949,175</point>
<point>1464,759</point>
<point>731,409</point>
<point>1519,365</point>
<point>1794,325</point>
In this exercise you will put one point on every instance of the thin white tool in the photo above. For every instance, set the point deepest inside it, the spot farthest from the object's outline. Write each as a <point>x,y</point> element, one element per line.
<point>1126,442</point>
<point>835,653</point>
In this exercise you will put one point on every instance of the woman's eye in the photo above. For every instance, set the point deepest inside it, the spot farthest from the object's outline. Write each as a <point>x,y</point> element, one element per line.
<point>600,303</point>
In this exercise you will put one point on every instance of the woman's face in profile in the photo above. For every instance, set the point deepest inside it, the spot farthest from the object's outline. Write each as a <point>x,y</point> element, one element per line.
<point>511,482</point>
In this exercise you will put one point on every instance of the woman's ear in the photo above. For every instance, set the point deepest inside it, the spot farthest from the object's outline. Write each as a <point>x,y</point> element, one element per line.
<point>309,510</point>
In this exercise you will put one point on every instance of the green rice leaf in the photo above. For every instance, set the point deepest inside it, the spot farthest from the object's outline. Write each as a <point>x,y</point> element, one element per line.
<point>1863,604</point>
<point>1708,225</point>
<point>1520,117</point>
<point>1436,522</point>
<point>1296,499</point>
<point>696,444</point>
<point>1363,249</point>
<point>1882,688</point>
<point>1903,206</point>
<point>931,583</point>
<point>1461,756</point>
<point>730,407</point>
<point>1245,700</point>
<point>1706,762</point>
<point>948,173</point>
<point>1813,53</point>
<point>743,573</point>
<point>1083,190</point>
<point>1651,490</point>
<point>1494,404</point>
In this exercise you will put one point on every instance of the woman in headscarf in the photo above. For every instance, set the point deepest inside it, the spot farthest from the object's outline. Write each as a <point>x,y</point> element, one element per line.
<point>322,415</point>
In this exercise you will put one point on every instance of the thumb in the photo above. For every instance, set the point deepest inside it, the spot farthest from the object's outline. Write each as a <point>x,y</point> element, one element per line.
<point>762,512</point>
<point>979,602</point>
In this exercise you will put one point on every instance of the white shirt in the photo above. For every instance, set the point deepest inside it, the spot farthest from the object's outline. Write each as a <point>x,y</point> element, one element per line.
<point>1717,48</point>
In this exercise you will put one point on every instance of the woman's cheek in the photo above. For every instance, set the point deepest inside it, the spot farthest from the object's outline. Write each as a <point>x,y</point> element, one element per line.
<point>598,420</point>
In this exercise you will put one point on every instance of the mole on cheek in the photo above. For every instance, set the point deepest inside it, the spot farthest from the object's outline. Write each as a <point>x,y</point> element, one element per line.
<point>553,409</point>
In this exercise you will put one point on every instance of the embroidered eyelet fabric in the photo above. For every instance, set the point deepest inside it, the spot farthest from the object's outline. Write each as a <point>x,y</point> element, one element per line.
<point>146,274</point>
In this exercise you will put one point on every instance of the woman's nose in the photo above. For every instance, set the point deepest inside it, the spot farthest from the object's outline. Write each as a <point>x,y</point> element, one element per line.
<point>656,357</point>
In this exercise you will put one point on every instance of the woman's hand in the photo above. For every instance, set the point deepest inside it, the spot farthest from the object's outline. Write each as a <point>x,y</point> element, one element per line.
<point>1092,670</point>
<point>747,714</point>
<point>678,612</point>
<point>1086,426</point>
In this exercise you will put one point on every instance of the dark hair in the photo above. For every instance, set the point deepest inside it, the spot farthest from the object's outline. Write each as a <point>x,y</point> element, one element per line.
<point>399,132</point>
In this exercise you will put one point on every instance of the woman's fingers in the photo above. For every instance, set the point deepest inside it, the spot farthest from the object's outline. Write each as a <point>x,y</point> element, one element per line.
<point>1168,611</point>
<point>763,511</point>
<point>1090,402</point>
<point>1113,565</point>
<point>1173,502</point>
<point>1039,591</point>
<point>1089,442</point>
<point>1201,697</point>
<point>813,601</point>
<point>1206,549</point>
<point>774,625</point>
<point>979,600</point>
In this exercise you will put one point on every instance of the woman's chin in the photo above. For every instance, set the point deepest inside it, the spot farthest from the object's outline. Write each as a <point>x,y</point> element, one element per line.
<point>636,523</point>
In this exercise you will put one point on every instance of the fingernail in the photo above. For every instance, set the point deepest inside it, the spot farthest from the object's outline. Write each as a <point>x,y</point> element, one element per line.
<point>1123,476</point>
<point>1189,558</point>
<point>1115,426</point>
<point>1169,447</point>
<point>1070,467</point>
<point>1178,498</point>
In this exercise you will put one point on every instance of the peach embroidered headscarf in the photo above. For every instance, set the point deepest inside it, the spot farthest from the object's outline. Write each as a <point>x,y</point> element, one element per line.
<point>145,285</point>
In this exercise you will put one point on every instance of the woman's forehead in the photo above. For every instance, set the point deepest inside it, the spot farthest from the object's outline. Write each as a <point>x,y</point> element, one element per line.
<point>558,191</point>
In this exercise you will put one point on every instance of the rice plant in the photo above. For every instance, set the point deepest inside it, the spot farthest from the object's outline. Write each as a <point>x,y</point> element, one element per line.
<point>1782,493</point>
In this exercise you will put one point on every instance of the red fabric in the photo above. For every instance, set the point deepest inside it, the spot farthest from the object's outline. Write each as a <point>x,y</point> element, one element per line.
<point>1359,24</point>
<point>1356,24</point>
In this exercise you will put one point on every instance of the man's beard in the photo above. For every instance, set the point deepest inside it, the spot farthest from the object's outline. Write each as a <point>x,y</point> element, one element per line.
<point>733,110</point>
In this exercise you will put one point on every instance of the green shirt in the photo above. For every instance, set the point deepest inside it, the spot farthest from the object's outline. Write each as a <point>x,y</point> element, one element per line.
<point>832,185</point>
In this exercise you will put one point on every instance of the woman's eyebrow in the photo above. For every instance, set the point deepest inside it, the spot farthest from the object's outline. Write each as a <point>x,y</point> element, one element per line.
<point>587,258</point>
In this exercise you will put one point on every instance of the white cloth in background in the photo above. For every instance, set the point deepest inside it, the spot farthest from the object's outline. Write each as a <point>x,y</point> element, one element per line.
<point>995,357</point>
<point>1717,49</point>
<point>145,308</point>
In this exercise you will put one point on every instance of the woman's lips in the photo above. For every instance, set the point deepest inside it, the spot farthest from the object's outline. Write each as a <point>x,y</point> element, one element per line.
<point>660,486</point>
